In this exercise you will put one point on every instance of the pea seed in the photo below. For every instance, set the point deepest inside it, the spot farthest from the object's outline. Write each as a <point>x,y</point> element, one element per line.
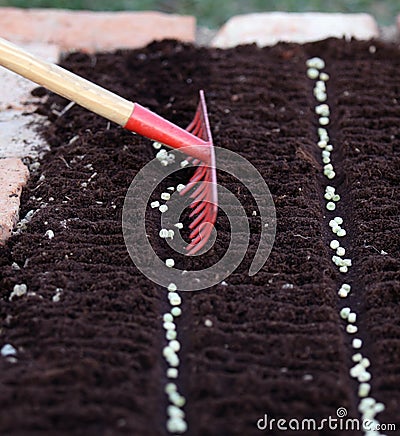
<point>170,263</point>
<point>357,343</point>
<point>330,205</point>
<point>176,311</point>
<point>364,390</point>
<point>312,73</point>
<point>340,251</point>
<point>334,244</point>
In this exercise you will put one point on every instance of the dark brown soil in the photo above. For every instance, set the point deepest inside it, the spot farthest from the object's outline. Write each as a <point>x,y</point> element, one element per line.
<point>91,363</point>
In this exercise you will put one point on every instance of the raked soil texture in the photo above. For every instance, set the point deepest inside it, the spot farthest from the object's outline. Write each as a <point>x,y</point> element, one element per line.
<point>88,333</point>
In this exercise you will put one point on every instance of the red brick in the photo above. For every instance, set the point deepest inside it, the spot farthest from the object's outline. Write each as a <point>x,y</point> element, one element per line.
<point>272,27</point>
<point>91,31</point>
<point>13,177</point>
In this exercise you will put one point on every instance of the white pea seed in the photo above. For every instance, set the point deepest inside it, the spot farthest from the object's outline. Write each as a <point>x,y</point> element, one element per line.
<point>175,300</point>
<point>364,377</point>
<point>336,197</point>
<point>171,234</point>
<point>322,132</point>
<point>320,96</point>
<point>352,317</point>
<point>356,371</point>
<point>326,153</point>
<point>169,325</point>
<point>163,233</point>
<point>347,262</point>
<point>315,62</point>
<point>172,373</point>
<point>177,399</point>
<point>184,163</point>
<point>208,323</point>
<point>170,387</point>
<point>333,223</point>
<point>174,411</point>
<point>157,145</point>
<point>163,208</point>
<point>346,286</point>
<point>168,352</point>
<point>173,360</point>
<point>164,162</point>
<point>345,312</point>
<point>322,143</point>
<point>326,160</point>
<point>165,196</point>
<point>175,345</point>
<point>335,229</point>
<point>176,425</point>
<point>324,76</point>
<point>49,234</point>
<point>334,244</point>
<point>167,317</point>
<point>366,403</point>
<point>357,357</point>
<point>176,311</point>
<point>340,251</point>
<point>330,205</point>
<point>342,293</point>
<point>180,187</point>
<point>365,362</point>
<point>170,263</point>
<point>330,189</point>
<point>364,390</point>
<point>357,343</point>
<point>379,408</point>
<point>338,220</point>
<point>331,175</point>
<point>154,204</point>
<point>329,147</point>
<point>172,287</point>
<point>162,154</point>
<point>170,335</point>
<point>328,167</point>
<point>179,225</point>
<point>343,269</point>
<point>328,196</point>
<point>336,260</point>
<point>351,329</point>
<point>341,232</point>
<point>171,158</point>
<point>322,109</point>
<point>312,73</point>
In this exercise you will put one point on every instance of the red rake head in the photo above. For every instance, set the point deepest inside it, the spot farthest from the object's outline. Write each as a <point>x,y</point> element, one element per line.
<point>205,196</point>
<point>195,141</point>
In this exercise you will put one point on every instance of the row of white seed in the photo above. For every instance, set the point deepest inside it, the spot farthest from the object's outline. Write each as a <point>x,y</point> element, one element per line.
<point>176,422</point>
<point>368,406</point>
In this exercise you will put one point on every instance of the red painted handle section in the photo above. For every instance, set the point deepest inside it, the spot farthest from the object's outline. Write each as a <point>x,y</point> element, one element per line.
<point>152,126</point>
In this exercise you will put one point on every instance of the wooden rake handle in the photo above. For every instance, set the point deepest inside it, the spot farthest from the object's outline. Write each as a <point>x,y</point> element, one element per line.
<point>130,115</point>
<point>65,83</point>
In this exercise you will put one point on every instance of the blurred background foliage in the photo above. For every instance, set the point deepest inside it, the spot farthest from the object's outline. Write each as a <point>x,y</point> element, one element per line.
<point>213,13</point>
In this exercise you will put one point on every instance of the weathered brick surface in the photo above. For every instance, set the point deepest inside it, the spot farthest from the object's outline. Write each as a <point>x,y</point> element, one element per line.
<point>93,31</point>
<point>270,28</point>
<point>18,137</point>
<point>13,176</point>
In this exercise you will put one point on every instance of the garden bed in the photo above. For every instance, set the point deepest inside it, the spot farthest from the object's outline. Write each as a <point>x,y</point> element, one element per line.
<point>88,333</point>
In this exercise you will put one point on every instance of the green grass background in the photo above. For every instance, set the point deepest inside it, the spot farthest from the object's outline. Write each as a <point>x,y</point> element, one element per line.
<point>212,13</point>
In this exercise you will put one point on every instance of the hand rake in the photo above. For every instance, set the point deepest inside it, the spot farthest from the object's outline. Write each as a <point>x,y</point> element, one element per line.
<point>134,117</point>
